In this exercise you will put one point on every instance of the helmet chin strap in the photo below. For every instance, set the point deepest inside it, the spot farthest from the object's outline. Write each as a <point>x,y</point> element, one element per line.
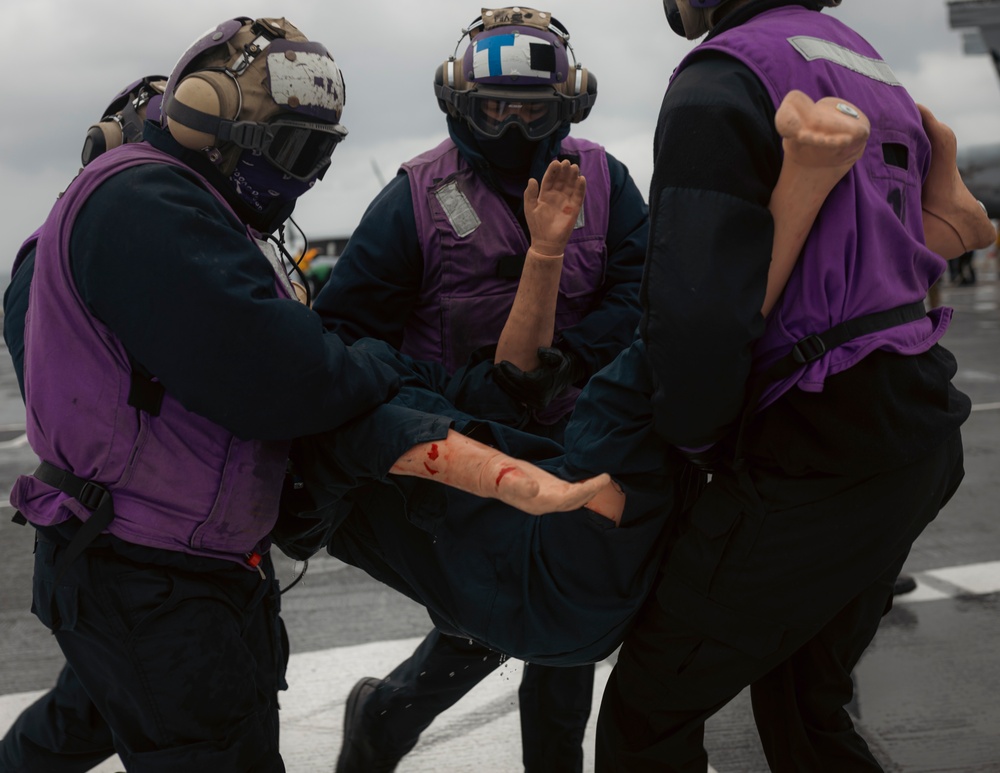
<point>696,22</point>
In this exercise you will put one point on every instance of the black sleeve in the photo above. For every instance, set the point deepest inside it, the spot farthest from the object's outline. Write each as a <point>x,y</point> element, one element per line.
<point>716,160</point>
<point>376,281</point>
<point>599,337</point>
<point>174,275</point>
<point>15,307</point>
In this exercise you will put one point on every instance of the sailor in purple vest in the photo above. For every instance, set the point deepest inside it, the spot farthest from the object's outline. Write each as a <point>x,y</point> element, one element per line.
<point>63,730</point>
<point>779,574</point>
<point>432,269</point>
<point>161,333</point>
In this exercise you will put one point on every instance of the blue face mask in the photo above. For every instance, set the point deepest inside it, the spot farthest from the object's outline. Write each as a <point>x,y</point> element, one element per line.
<point>262,186</point>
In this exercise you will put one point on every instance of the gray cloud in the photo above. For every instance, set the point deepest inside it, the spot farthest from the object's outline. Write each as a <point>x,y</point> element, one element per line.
<point>64,60</point>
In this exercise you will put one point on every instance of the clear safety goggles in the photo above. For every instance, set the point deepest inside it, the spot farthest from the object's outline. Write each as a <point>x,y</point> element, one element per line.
<point>535,114</point>
<point>300,149</point>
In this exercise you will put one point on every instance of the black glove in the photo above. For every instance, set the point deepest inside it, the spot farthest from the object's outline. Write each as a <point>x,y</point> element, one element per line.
<point>537,388</point>
<point>705,460</point>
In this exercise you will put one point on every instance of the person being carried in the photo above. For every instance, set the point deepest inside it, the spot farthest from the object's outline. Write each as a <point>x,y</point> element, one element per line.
<point>562,588</point>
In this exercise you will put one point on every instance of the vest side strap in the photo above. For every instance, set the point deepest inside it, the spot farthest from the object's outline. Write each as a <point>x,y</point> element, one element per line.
<point>91,495</point>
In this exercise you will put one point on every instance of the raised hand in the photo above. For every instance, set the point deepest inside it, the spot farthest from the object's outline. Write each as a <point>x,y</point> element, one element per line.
<point>552,209</point>
<point>551,212</point>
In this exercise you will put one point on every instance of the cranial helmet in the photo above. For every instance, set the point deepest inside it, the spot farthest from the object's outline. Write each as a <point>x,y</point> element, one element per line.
<point>257,85</point>
<point>121,121</point>
<point>516,72</point>
<point>674,14</point>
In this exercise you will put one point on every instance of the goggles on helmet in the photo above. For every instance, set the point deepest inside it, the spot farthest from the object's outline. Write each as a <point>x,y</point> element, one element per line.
<point>537,113</point>
<point>300,149</point>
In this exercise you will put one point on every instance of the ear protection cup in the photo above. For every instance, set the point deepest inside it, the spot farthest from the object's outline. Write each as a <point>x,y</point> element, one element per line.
<point>101,137</point>
<point>211,92</point>
<point>588,85</point>
<point>450,74</point>
<point>123,118</point>
<point>580,81</point>
<point>444,76</point>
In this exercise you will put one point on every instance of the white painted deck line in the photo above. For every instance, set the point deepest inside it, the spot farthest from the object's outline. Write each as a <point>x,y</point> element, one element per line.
<point>481,733</point>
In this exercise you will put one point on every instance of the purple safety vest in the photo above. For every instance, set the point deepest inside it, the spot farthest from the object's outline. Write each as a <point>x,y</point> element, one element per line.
<point>866,252</point>
<point>468,234</point>
<point>178,481</point>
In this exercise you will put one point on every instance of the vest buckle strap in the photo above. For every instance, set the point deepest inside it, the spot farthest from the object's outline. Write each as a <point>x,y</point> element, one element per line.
<point>808,349</point>
<point>92,495</point>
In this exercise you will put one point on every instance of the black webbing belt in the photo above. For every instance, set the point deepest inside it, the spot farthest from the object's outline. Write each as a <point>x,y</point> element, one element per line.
<point>131,124</point>
<point>91,495</point>
<point>811,348</point>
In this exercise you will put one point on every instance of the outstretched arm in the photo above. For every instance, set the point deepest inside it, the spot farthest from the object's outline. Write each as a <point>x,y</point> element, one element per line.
<point>471,466</point>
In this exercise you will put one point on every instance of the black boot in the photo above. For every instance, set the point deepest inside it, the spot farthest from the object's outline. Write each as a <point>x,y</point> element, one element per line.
<point>357,754</point>
<point>904,584</point>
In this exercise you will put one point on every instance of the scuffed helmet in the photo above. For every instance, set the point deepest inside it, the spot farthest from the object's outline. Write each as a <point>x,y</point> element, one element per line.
<point>515,72</point>
<point>121,121</point>
<point>257,85</point>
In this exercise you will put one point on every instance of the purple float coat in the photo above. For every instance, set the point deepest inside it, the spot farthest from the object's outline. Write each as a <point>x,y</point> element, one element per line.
<point>465,229</point>
<point>866,252</point>
<point>178,481</point>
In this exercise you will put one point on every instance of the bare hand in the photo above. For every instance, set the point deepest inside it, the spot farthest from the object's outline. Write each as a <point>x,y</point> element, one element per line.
<point>829,133</point>
<point>536,492</point>
<point>552,211</point>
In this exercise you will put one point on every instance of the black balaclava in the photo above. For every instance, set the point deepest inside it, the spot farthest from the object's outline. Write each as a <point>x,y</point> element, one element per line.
<point>507,163</point>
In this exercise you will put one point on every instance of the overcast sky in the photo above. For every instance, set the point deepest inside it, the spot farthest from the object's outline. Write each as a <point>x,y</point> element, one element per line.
<point>63,61</point>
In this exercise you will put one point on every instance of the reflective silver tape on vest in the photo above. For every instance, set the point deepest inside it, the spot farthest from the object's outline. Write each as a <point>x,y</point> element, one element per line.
<point>581,221</point>
<point>817,48</point>
<point>456,206</point>
<point>271,253</point>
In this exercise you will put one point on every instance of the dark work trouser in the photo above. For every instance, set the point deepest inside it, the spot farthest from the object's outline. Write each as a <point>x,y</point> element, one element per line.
<point>182,657</point>
<point>61,732</point>
<point>554,701</point>
<point>782,598</point>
